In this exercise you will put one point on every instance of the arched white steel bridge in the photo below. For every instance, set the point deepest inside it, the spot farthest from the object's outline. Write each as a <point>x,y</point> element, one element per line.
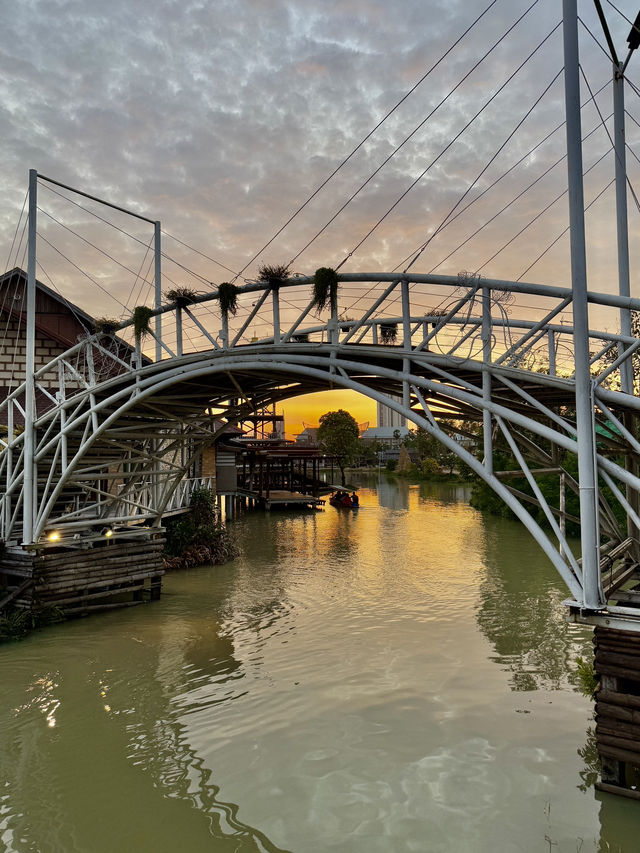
<point>110,433</point>
<point>113,439</point>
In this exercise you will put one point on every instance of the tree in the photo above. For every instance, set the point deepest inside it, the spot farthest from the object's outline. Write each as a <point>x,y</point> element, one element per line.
<point>338,436</point>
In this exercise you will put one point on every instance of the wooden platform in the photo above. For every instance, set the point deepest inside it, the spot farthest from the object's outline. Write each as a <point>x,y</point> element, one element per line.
<point>79,581</point>
<point>280,497</point>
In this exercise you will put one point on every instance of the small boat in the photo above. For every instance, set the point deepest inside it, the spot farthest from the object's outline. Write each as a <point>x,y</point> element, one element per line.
<point>343,502</point>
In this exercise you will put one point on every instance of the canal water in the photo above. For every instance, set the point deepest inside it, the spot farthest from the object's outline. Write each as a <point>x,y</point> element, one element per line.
<point>396,678</point>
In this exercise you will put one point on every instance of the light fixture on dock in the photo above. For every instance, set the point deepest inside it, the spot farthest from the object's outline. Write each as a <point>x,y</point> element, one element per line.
<point>107,532</point>
<point>53,536</point>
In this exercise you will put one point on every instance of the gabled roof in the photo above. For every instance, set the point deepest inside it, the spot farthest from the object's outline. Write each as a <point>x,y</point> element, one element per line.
<point>50,308</point>
<point>56,317</point>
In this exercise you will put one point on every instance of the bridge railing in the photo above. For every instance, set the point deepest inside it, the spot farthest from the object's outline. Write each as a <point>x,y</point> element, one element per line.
<point>473,318</point>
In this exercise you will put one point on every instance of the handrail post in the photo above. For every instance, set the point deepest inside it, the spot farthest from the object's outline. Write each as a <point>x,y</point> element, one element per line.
<point>551,342</point>
<point>178,331</point>
<point>275,300</point>
<point>587,476</point>
<point>406,340</point>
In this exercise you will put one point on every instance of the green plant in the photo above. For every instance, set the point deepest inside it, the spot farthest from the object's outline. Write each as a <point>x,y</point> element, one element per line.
<point>586,679</point>
<point>141,316</point>
<point>198,537</point>
<point>182,296</point>
<point>14,625</point>
<point>388,333</point>
<point>325,288</point>
<point>106,325</point>
<point>338,436</point>
<point>47,614</point>
<point>435,312</point>
<point>203,506</point>
<point>429,468</point>
<point>228,298</point>
<point>273,274</point>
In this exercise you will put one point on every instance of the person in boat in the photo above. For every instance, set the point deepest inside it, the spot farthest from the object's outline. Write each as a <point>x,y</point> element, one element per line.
<point>355,500</point>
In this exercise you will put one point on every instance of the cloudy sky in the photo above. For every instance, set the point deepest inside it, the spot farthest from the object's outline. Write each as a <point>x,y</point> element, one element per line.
<point>221,118</point>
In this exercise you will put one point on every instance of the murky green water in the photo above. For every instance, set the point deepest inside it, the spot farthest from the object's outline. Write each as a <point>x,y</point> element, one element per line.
<point>392,679</point>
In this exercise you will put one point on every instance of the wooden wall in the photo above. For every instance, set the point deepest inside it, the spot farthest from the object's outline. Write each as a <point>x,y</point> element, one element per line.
<point>114,574</point>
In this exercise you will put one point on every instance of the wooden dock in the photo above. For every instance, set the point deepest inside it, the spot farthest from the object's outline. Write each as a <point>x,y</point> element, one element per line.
<point>283,497</point>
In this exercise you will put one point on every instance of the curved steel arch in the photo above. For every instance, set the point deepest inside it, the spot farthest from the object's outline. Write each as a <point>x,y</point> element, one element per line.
<point>465,361</point>
<point>336,370</point>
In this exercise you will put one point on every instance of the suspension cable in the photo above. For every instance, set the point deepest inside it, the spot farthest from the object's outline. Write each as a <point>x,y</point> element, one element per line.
<point>508,205</point>
<point>367,137</point>
<point>595,103</point>
<point>444,150</point>
<point>538,215</point>
<point>81,271</point>
<point>15,233</point>
<point>481,173</point>
<point>559,237</point>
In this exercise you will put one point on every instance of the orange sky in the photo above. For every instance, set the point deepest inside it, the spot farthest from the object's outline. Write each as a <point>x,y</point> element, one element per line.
<point>308,409</point>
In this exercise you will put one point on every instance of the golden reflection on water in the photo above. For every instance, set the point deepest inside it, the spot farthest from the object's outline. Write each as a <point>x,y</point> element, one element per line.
<point>387,679</point>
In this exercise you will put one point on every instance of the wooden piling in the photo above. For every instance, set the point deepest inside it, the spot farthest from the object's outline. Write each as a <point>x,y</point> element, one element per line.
<point>617,666</point>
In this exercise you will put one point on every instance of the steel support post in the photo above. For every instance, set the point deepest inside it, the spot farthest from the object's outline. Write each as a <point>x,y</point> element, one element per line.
<point>621,218</point>
<point>551,341</point>
<point>224,331</point>
<point>30,355</point>
<point>158,287</point>
<point>486,379</point>
<point>591,594</point>
<point>406,340</point>
<point>333,325</point>
<point>624,287</point>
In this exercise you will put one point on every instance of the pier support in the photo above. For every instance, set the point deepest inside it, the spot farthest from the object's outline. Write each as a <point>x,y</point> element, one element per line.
<point>617,664</point>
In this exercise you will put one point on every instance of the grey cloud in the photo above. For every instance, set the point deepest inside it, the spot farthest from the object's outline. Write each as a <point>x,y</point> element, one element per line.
<point>220,118</point>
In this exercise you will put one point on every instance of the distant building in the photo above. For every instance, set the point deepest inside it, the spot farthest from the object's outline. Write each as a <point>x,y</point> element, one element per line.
<point>308,437</point>
<point>389,436</point>
<point>389,417</point>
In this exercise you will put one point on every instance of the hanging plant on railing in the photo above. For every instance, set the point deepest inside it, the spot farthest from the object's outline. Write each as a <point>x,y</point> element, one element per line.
<point>388,333</point>
<point>228,298</point>
<point>106,325</point>
<point>325,288</point>
<point>182,296</point>
<point>273,274</point>
<point>435,312</point>
<point>141,317</point>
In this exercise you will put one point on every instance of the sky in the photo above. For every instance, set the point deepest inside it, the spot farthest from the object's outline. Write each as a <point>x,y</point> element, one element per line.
<point>222,118</point>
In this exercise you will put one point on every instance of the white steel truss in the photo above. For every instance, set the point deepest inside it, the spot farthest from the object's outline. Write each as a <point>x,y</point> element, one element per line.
<point>113,440</point>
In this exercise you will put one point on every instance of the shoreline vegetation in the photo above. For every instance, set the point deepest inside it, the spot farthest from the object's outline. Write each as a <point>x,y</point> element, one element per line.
<point>197,538</point>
